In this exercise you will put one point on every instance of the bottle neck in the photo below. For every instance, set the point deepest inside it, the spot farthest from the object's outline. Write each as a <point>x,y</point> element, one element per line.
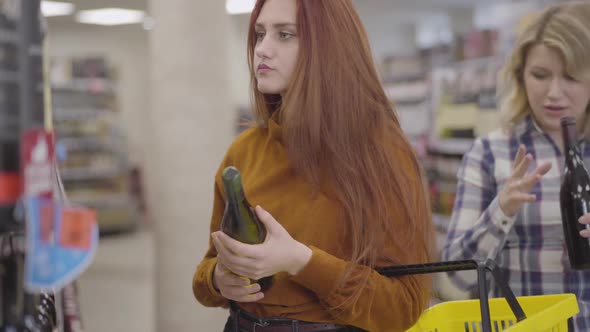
<point>569,135</point>
<point>234,190</point>
<point>570,145</point>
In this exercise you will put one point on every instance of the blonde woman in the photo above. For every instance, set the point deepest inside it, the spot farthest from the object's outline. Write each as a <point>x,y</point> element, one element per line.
<point>507,205</point>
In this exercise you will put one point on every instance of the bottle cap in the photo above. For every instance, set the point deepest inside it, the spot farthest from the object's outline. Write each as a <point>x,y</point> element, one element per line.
<point>568,120</point>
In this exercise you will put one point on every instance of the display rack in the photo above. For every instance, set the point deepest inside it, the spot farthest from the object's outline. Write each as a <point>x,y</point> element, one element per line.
<point>406,84</point>
<point>464,107</point>
<point>21,109</point>
<point>95,167</point>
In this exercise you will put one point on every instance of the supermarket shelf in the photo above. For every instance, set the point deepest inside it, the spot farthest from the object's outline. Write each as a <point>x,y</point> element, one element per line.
<point>111,219</point>
<point>455,146</point>
<point>103,200</point>
<point>404,78</point>
<point>441,222</point>
<point>90,143</point>
<point>418,90</point>
<point>88,173</point>
<point>61,114</point>
<point>86,85</point>
<point>8,36</point>
<point>399,103</point>
<point>9,121</point>
<point>7,76</point>
<point>95,168</point>
<point>17,243</point>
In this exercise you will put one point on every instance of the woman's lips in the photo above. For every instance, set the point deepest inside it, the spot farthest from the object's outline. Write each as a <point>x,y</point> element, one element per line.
<point>555,108</point>
<point>263,68</point>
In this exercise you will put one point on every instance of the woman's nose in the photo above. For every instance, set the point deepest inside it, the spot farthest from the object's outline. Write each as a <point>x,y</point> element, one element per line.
<point>555,89</point>
<point>264,48</point>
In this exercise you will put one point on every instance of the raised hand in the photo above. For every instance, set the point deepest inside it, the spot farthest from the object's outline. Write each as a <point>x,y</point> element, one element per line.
<point>517,190</point>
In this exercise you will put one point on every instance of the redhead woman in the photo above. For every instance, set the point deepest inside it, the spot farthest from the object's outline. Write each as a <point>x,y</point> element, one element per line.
<point>334,181</point>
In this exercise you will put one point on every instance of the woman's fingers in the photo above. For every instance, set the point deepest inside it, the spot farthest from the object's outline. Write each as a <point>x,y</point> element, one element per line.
<point>238,265</point>
<point>237,288</point>
<point>227,257</point>
<point>240,291</point>
<point>520,153</point>
<point>585,221</point>
<point>249,293</point>
<point>524,198</point>
<point>543,168</point>
<point>521,168</point>
<point>250,297</point>
<point>231,279</point>
<point>527,182</point>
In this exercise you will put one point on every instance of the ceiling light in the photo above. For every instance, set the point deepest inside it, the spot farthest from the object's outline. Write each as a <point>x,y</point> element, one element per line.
<point>55,8</point>
<point>234,7</point>
<point>110,16</point>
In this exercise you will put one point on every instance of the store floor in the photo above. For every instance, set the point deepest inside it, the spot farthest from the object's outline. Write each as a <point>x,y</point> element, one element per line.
<point>116,292</point>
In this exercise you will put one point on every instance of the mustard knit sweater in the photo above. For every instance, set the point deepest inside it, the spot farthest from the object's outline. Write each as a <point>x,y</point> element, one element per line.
<point>386,304</point>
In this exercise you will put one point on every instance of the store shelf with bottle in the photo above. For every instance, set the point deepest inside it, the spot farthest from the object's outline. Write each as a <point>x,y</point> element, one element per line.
<point>461,106</point>
<point>94,164</point>
<point>464,107</point>
<point>406,84</point>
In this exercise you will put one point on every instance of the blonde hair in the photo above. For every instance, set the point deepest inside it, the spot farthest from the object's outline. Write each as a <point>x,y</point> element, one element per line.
<point>563,27</point>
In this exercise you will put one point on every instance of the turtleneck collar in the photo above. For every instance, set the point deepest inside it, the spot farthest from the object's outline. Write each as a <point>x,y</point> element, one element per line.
<point>274,126</point>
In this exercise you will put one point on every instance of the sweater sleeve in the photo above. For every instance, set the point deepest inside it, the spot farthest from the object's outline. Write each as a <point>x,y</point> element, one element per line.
<point>478,227</point>
<point>203,288</point>
<point>386,304</point>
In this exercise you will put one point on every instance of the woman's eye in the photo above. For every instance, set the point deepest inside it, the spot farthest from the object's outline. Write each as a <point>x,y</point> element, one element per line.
<point>570,78</point>
<point>259,35</point>
<point>285,35</point>
<point>539,76</point>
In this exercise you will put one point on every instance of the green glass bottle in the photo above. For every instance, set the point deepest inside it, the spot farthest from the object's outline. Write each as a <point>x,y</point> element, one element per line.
<point>239,219</point>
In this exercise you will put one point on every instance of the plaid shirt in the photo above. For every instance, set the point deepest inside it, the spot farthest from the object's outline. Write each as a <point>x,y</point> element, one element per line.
<point>529,247</point>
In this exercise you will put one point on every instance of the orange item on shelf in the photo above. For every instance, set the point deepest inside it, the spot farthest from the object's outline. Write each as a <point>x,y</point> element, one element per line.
<point>76,227</point>
<point>47,223</point>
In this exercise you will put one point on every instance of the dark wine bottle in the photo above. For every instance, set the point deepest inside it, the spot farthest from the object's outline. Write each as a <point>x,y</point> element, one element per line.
<point>574,197</point>
<point>239,220</point>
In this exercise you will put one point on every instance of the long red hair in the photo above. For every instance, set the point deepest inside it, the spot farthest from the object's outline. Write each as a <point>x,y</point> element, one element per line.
<point>339,127</point>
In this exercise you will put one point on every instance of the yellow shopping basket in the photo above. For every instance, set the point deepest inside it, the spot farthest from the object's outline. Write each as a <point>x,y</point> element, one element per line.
<point>545,313</point>
<point>523,314</point>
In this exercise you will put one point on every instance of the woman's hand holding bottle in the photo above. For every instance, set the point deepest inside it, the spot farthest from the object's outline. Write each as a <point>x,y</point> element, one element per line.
<point>234,287</point>
<point>278,253</point>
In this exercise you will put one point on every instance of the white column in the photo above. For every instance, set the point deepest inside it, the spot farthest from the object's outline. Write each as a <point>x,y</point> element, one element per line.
<point>192,118</point>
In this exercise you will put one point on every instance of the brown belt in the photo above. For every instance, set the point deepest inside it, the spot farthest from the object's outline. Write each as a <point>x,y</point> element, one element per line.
<point>252,323</point>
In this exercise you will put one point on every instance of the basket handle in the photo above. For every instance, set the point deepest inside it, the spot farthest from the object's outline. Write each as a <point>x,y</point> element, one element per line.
<point>462,265</point>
